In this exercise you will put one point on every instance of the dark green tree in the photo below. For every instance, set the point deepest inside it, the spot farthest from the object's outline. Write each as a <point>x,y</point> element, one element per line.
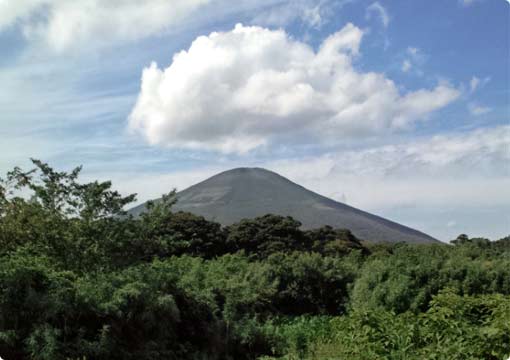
<point>265,235</point>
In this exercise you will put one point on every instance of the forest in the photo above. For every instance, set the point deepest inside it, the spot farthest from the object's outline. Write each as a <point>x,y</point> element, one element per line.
<point>81,279</point>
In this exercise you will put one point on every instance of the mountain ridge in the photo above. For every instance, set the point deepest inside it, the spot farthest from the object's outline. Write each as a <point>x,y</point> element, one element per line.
<point>245,192</point>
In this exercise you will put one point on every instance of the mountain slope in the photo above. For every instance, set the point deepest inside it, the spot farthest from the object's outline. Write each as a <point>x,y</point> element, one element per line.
<point>250,192</point>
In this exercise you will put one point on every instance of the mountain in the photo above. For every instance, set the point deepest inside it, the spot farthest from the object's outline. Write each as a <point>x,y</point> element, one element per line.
<point>250,192</point>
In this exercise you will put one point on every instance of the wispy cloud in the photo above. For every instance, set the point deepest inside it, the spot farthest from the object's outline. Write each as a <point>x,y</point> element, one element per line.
<point>64,24</point>
<point>476,83</point>
<point>79,25</point>
<point>313,14</point>
<point>414,172</point>
<point>477,110</point>
<point>414,59</point>
<point>380,11</point>
<point>406,65</point>
<point>466,3</point>
<point>451,223</point>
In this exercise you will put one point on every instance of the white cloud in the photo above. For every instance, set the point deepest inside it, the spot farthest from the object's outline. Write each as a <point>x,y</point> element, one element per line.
<point>476,83</point>
<point>313,17</point>
<point>312,13</point>
<point>379,10</point>
<point>63,24</point>
<point>476,110</point>
<point>414,60</point>
<point>451,223</point>
<point>467,3</point>
<point>11,11</point>
<point>473,84</point>
<point>238,90</point>
<point>460,169</point>
<point>406,65</point>
<point>413,50</point>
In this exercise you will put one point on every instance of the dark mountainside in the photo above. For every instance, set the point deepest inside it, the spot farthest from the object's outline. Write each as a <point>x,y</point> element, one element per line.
<point>250,192</point>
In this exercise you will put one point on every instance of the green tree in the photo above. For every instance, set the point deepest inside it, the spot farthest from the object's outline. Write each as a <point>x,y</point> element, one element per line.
<point>265,235</point>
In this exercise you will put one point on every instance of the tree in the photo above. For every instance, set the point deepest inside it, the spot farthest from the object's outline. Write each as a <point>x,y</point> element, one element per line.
<point>60,193</point>
<point>266,235</point>
<point>52,213</point>
<point>329,241</point>
<point>460,240</point>
<point>183,233</point>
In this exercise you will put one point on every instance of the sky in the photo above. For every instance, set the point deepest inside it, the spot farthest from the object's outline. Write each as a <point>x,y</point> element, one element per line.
<point>400,108</point>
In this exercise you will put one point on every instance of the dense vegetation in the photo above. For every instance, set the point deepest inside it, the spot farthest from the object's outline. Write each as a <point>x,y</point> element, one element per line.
<point>80,279</point>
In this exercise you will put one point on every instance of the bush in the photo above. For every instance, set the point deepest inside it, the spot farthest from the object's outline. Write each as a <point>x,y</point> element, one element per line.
<point>80,279</point>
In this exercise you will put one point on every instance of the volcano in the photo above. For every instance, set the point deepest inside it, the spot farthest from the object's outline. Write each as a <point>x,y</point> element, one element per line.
<point>251,192</point>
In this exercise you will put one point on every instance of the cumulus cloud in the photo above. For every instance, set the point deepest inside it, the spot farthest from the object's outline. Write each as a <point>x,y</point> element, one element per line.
<point>238,90</point>
<point>380,11</point>
<point>63,24</point>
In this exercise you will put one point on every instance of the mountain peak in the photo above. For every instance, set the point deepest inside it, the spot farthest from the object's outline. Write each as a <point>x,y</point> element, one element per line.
<point>248,192</point>
<point>248,171</point>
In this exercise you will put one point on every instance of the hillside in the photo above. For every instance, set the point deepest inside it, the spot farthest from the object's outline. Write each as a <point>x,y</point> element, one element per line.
<point>250,192</point>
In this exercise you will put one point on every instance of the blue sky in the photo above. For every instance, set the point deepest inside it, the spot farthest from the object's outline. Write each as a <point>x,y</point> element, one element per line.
<point>399,108</point>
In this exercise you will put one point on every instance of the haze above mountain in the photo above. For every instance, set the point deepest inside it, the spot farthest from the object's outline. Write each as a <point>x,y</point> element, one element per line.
<point>250,192</point>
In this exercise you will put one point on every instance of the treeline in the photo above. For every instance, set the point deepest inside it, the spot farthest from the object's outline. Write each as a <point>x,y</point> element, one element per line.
<point>79,278</point>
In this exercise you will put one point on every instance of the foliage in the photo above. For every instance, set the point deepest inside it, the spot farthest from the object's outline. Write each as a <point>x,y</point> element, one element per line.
<point>265,235</point>
<point>455,327</point>
<point>408,276</point>
<point>311,283</point>
<point>329,241</point>
<point>82,279</point>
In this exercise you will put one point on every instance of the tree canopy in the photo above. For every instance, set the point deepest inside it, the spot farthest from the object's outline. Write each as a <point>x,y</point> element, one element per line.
<point>82,279</point>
